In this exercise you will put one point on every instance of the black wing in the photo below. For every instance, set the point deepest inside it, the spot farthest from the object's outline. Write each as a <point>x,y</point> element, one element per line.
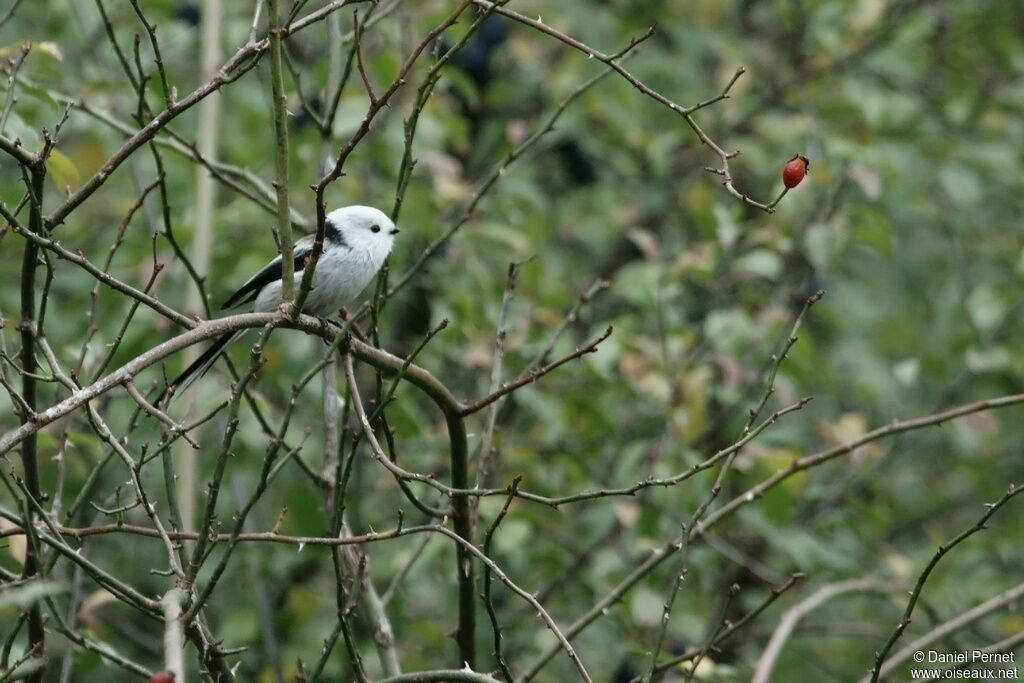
<point>248,292</point>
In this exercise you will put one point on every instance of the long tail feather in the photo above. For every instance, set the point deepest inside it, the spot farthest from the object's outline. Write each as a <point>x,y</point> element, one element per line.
<point>199,367</point>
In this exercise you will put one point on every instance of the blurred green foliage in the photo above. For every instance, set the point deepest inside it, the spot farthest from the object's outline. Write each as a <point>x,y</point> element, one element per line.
<point>910,220</point>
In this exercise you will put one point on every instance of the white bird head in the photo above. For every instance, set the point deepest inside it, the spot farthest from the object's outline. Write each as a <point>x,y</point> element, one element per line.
<point>363,228</point>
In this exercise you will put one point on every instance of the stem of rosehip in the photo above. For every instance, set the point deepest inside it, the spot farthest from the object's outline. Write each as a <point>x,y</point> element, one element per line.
<point>779,198</point>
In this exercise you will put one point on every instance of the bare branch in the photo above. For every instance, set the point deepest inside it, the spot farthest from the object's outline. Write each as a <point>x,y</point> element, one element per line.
<point>685,112</point>
<point>533,375</point>
<point>943,549</point>
<point>893,428</point>
<point>693,653</point>
<point>283,233</point>
<point>794,614</point>
<point>961,621</point>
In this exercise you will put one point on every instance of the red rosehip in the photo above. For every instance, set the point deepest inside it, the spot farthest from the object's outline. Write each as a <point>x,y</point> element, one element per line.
<point>162,677</point>
<point>795,170</point>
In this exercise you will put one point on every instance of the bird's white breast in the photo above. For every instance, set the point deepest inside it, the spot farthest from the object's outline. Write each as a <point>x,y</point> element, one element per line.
<point>341,274</point>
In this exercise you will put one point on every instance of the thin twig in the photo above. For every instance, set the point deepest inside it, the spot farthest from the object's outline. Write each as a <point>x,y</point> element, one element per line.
<point>570,318</point>
<point>485,185</point>
<point>484,453</point>
<point>693,653</point>
<point>283,232</point>
<point>488,538</point>
<point>12,78</point>
<point>958,623</point>
<point>9,13</point>
<point>158,414</point>
<point>533,375</point>
<point>157,59</point>
<point>794,614</point>
<point>685,112</point>
<point>893,428</point>
<point>941,552</point>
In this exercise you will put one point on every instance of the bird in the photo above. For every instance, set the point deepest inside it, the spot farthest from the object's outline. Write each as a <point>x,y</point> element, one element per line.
<point>357,241</point>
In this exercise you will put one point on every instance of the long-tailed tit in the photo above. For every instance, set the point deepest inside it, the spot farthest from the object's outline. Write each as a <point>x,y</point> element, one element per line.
<point>357,240</point>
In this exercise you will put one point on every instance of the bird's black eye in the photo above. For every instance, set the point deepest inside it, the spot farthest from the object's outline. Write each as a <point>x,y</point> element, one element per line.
<point>374,228</point>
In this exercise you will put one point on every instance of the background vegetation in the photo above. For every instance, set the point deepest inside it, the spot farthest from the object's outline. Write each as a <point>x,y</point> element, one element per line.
<point>912,113</point>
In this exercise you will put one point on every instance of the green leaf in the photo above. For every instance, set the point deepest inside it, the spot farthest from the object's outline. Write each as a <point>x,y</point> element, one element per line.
<point>18,130</point>
<point>961,184</point>
<point>762,262</point>
<point>991,359</point>
<point>39,92</point>
<point>62,170</point>
<point>44,47</point>
<point>986,308</point>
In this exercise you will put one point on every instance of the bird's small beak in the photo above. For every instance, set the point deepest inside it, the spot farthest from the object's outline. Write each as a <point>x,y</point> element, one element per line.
<point>395,231</point>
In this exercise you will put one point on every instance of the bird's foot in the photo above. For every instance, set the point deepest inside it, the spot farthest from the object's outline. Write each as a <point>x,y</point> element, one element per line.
<point>346,341</point>
<point>326,324</point>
